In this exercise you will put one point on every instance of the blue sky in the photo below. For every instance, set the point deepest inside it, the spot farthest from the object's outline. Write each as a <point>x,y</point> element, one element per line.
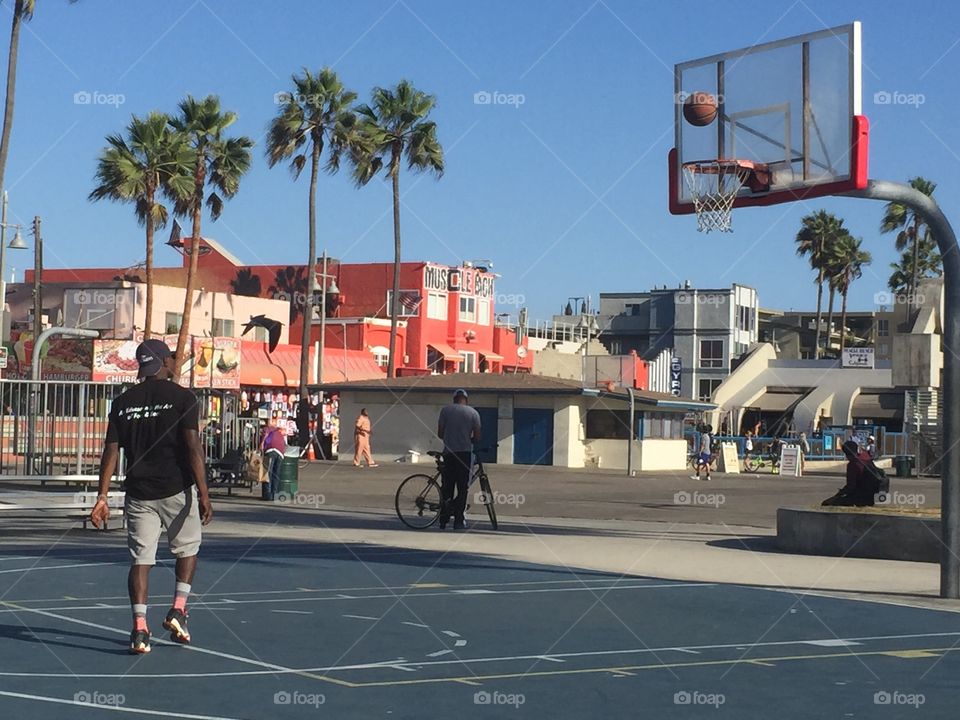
<point>566,193</point>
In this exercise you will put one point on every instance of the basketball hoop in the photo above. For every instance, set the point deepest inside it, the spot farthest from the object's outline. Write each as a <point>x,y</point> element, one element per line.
<point>714,185</point>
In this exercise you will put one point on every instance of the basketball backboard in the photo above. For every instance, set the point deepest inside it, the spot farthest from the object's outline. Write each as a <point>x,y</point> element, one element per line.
<point>792,106</point>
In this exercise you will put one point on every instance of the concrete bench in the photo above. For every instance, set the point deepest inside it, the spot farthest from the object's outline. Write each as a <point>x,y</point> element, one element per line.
<point>72,506</point>
<point>880,533</point>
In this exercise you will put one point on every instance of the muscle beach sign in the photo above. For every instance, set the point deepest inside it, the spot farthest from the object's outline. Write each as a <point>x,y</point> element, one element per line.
<point>466,281</point>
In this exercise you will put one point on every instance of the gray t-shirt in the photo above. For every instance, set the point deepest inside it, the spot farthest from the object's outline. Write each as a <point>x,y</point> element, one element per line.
<point>458,421</point>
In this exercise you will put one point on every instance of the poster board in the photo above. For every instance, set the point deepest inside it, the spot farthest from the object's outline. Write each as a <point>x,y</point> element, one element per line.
<point>728,454</point>
<point>790,461</point>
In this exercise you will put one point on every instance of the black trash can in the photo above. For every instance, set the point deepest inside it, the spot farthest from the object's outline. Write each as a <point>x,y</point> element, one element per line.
<point>903,465</point>
<point>290,474</point>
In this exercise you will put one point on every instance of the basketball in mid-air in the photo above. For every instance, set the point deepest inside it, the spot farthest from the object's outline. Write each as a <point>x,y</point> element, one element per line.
<point>700,108</point>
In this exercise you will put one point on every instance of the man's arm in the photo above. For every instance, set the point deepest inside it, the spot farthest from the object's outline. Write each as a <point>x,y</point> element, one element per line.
<point>108,466</point>
<point>475,432</point>
<point>440,426</point>
<point>192,440</point>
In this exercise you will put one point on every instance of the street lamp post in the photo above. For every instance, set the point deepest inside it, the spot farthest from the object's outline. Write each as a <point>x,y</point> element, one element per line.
<point>16,244</point>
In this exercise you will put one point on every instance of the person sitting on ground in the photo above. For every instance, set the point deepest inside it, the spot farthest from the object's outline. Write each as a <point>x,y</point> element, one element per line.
<point>861,484</point>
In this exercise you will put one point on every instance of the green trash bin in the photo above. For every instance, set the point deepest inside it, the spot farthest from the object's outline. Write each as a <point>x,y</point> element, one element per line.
<point>290,472</point>
<point>903,465</point>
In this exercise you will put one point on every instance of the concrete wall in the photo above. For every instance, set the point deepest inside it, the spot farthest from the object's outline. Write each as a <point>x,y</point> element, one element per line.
<point>647,454</point>
<point>568,450</point>
<point>207,305</point>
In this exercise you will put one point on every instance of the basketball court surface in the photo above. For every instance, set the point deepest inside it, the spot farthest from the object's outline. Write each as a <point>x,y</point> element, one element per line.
<point>294,629</point>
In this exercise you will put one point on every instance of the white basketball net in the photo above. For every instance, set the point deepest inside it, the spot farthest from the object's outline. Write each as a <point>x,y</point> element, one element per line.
<point>713,188</point>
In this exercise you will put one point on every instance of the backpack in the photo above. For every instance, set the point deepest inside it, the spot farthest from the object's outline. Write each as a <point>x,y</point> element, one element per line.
<point>880,476</point>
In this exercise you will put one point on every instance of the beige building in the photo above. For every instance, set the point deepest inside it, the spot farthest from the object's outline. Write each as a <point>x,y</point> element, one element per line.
<point>527,420</point>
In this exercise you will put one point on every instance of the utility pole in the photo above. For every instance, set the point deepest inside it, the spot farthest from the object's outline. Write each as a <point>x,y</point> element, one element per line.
<point>37,271</point>
<point>323,326</point>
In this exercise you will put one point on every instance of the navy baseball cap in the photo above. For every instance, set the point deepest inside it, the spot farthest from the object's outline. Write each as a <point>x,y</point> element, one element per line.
<point>150,355</point>
<point>460,392</point>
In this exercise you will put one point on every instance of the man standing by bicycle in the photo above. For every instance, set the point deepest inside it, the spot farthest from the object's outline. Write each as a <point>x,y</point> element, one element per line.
<point>459,427</point>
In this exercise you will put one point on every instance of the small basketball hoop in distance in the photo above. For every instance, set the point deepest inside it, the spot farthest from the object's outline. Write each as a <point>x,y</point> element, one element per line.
<point>714,185</point>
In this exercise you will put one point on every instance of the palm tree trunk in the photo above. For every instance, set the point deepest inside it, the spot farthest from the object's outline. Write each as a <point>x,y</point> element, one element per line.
<point>395,298</point>
<point>311,277</point>
<point>830,318</point>
<point>147,322</point>
<point>11,87</point>
<point>843,318</point>
<point>816,342</point>
<point>184,336</point>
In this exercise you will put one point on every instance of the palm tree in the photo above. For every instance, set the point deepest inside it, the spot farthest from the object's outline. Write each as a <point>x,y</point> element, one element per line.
<point>847,261</point>
<point>911,229</point>
<point>392,127</point>
<point>290,283</point>
<point>314,117</point>
<point>928,264</point>
<point>246,283</point>
<point>152,160</point>
<point>22,10</point>
<point>818,231</point>
<point>219,162</point>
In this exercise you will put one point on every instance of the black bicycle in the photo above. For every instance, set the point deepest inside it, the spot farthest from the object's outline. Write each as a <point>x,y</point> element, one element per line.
<point>419,501</point>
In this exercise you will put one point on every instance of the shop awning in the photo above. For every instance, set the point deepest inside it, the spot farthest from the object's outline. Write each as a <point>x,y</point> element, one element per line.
<point>491,357</point>
<point>878,406</point>
<point>281,368</point>
<point>447,352</point>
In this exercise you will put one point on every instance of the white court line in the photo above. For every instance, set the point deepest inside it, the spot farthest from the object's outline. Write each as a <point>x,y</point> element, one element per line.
<point>413,624</point>
<point>362,617</point>
<point>438,653</point>
<point>113,708</point>
<point>342,589</point>
<point>59,567</point>
<point>380,596</point>
<point>477,591</point>
<point>192,648</point>
<point>395,664</point>
<point>292,612</point>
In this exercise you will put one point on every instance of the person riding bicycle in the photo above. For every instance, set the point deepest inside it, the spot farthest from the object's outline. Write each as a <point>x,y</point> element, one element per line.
<point>703,460</point>
<point>459,427</point>
<point>775,447</point>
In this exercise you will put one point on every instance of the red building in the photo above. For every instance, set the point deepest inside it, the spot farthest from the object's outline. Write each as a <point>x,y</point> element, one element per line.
<point>448,314</point>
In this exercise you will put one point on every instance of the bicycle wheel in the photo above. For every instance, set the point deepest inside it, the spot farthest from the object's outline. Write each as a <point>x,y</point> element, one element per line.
<point>488,500</point>
<point>752,463</point>
<point>419,501</point>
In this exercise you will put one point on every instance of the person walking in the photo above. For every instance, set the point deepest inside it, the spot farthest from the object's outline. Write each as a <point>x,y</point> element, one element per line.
<point>459,427</point>
<point>361,440</point>
<point>157,424</point>
<point>703,459</point>
<point>273,447</point>
<point>747,447</point>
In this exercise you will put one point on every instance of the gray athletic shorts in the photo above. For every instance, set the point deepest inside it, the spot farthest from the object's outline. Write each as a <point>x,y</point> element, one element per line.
<point>179,514</point>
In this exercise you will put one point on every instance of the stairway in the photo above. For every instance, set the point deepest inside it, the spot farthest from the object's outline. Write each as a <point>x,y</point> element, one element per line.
<point>923,418</point>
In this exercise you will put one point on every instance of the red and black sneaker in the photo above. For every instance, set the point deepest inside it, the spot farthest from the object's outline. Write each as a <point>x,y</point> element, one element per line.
<point>139,642</point>
<point>176,623</point>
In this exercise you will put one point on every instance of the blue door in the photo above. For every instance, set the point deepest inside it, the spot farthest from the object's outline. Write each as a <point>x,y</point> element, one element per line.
<point>532,436</point>
<point>488,434</point>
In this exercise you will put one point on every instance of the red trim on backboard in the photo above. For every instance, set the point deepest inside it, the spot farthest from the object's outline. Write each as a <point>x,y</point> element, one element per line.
<point>859,153</point>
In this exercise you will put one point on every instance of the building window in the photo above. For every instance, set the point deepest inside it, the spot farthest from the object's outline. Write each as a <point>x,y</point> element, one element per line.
<point>608,424</point>
<point>381,355</point>
<point>707,387</point>
<point>408,303</point>
<point>711,353</point>
<point>483,311</point>
<point>468,309</point>
<point>469,362</point>
<point>632,309</point>
<point>745,318</point>
<point>883,328</point>
<point>664,426</point>
<point>437,306</point>
<point>173,322</point>
<point>883,349</point>
<point>222,328</point>
<point>260,334</point>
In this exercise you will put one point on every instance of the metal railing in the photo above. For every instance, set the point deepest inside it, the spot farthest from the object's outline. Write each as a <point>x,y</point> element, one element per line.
<point>53,427</point>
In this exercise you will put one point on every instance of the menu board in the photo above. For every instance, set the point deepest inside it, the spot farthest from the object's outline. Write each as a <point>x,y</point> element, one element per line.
<point>731,463</point>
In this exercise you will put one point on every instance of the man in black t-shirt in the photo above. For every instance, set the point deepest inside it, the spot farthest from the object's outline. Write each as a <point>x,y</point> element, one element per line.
<point>156,424</point>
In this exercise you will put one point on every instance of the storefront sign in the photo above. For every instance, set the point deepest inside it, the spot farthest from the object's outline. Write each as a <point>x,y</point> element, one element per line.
<point>61,358</point>
<point>861,357</point>
<point>468,281</point>
<point>790,461</point>
<point>115,361</point>
<point>676,371</point>
<point>728,452</point>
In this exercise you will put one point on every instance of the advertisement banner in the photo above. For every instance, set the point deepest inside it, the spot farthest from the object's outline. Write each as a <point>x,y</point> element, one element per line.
<point>115,361</point>
<point>216,363</point>
<point>61,358</point>
<point>861,357</point>
<point>676,373</point>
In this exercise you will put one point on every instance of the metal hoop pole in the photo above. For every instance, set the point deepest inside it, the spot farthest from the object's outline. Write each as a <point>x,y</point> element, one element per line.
<point>943,233</point>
